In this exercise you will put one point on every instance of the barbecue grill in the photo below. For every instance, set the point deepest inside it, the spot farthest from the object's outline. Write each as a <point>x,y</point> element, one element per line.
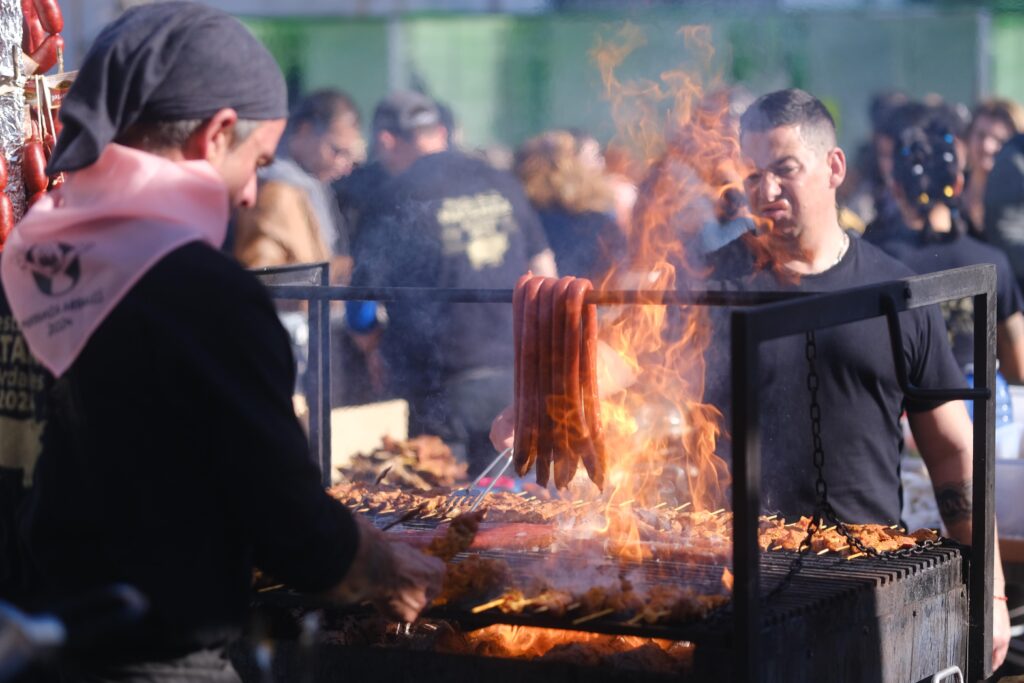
<point>871,619</point>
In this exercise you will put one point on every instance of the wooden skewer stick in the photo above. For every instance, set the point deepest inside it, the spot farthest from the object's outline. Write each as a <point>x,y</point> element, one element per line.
<point>267,589</point>
<point>591,617</point>
<point>856,555</point>
<point>659,505</point>
<point>823,551</point>
<point>488,605</point>
<point>626,502</point>
<point>572,606</point>
<point>682,507</point>
<point>768,519</point>
<point>543,608</point>
<point>718,512</point>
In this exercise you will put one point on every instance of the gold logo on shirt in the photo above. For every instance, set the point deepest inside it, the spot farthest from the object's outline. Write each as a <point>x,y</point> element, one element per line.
<point>477,226</point>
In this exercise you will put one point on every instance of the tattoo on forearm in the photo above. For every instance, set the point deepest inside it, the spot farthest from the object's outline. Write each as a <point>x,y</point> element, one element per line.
<point>955,501</point>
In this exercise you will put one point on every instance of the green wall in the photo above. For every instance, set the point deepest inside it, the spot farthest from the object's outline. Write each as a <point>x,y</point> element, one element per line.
<point>508,77</point>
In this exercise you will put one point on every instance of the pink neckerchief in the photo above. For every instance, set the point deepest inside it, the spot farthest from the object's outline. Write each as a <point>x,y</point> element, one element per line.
<point>82,247</point>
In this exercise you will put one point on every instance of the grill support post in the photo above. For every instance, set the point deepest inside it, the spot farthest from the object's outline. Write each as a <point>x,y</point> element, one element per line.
<point>746,501</point>
<point>979,666</point>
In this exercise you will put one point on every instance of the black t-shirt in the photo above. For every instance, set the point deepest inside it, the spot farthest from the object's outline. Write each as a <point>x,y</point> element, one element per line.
<point>173,460</point>
<point>585,244</point>
<point>23,387</point>
<point>942,252</point>
<point>860,398</point>
<point>449,221</point>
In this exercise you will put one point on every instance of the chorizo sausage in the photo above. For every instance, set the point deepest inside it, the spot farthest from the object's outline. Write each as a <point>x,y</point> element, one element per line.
<point>33,167</point>
<point>50,15</point>
<point>526,419</point>
<point>46,54</point>
<point>591,400</point>
<point>32,32</point>
<point>6,217</point>
<point>544,422</point>
<point>517,339</point>
<point>3,172</point>
<point>579,438</point>
<point>564,458</point>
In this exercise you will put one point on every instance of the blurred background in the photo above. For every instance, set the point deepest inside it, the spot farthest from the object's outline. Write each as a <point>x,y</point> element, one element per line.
<point>513,68</point>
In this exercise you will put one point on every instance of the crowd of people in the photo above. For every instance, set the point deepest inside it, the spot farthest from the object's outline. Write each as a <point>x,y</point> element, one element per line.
<point>158,444</point>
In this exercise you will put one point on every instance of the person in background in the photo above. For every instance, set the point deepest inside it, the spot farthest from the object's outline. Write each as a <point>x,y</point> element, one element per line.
<point>993,122</point>
<point>446,220</point>
<point>934,236</point>
<point>295,219</point>
<point>1004,204</point>
<point>172,459</point>
<point>573,201</point>
<point>865,191</point>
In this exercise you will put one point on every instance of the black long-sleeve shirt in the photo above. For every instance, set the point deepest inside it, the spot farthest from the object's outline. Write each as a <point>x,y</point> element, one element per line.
<point>173,460</point>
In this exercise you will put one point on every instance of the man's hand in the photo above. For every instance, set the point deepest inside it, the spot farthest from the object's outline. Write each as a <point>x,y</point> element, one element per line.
<point>1000,633</point>
<point>503,429</point>
<point>398,579</point>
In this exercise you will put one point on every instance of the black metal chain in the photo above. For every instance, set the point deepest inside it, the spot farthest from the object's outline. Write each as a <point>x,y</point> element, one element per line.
<point>823,508</point>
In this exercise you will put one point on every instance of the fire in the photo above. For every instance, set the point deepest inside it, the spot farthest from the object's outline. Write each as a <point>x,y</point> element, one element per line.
<point>660,436</point>
<point>531,642</point>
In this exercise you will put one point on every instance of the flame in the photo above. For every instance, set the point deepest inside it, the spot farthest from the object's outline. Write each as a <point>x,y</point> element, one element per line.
<point>659,435</point>
<point>531,642</point>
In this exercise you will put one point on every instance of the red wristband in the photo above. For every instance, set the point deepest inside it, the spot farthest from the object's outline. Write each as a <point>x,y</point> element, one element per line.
<point>1001,597</point>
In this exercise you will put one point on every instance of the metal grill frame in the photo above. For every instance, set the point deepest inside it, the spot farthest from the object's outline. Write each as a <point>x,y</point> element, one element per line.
<point>759,317</point>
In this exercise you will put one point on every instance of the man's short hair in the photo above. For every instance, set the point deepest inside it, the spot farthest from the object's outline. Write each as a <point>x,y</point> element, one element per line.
<point>322,107</point>
<point>792,107</point>
<point>157,136</point>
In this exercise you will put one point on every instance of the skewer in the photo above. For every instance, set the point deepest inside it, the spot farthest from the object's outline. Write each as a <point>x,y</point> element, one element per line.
<point>845,547</point>
<point>363,509</point>
<point>681,507</point>
<point>823,551</point>
<point>543,608</point>
<point>895,526</point>
<point>406,517</point>
<point>591,617</point>
<point>718,512</point>
<point>579,503</point>
<point>488,605</point>
<point>571,606</point>
<point>520,494</point>
<point>856,555</point>
<point>267,589</point>
<point>659,505</point>
<point>829,528</point>
<point>768,519</point>
<point>626,502</point>
<point>778,547</point>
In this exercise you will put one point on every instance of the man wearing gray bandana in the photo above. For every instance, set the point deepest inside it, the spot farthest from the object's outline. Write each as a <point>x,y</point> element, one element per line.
<point>172,460</point>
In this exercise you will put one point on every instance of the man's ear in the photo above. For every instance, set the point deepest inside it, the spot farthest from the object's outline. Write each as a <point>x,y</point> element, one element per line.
<point>837,167</point>
<point>386,140</point>
<point>214,137</point>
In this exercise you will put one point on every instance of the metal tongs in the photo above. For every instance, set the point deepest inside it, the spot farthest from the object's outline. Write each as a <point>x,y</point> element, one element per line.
<point>466,491</point>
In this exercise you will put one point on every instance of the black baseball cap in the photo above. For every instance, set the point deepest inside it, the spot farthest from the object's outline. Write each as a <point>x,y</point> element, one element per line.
<point>404,111</point>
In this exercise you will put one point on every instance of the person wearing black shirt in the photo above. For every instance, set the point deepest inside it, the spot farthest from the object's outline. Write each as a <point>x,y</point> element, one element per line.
<point>24,384</point>
<point>931,236</point>
<point>448,220</point>
<point>172,459</point>
<point>789,140</point>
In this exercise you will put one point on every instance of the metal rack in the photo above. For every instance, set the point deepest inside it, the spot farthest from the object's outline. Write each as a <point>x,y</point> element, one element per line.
<point>762,317</point>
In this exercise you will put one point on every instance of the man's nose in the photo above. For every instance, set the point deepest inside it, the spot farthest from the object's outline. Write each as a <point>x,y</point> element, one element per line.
<point>769,187</point>
<point>247,197</point>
